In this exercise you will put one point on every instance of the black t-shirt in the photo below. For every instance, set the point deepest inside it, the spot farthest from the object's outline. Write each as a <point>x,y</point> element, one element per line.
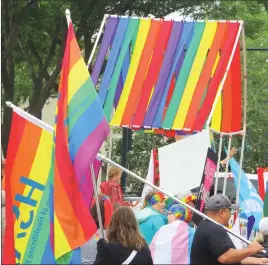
<point>209,243</point>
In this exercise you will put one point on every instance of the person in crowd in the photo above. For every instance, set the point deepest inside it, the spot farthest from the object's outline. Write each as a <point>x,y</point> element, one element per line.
<point>151,217</point>
<point>172,243</point>
<point>263,237</point>
<point>112,187</point>
<point>212,245</point>
<point>125,244</point>
<point>89,250</point>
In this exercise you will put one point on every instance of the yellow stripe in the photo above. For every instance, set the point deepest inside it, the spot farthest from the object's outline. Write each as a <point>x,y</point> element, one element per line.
<point>196,70</point>
<point>77,77</point>
<point>60,241</point>
<point>216,117</point>
<point>141,39</point>
<point>152,92</point>
<point>39,173</point>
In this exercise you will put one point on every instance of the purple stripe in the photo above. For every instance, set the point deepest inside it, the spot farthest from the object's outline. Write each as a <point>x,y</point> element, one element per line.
<point>86,187</point>
<point>164,73</point>
<point>106,41</point>
<point>118,90</point>
<point>89,149</point>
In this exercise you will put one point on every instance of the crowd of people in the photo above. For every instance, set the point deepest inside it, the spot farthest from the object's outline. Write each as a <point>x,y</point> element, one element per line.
<point>163,232</point>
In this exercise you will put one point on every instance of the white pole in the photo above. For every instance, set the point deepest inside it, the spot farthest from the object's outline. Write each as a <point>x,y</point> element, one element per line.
<point>227,165</point>
<point>97,200</point>
<point>97,40</point>
<point>245,113</point>
<point>218,166</point>
<point>31,118</point>
<point>225,76</point>
<point>68,16</point>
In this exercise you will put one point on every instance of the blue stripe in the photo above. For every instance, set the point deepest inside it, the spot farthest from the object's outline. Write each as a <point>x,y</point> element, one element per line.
<point>84,126</point>
<point>76,256</point>
<point>186,37</point>
<point>48,256</point>
<point>117,43</point>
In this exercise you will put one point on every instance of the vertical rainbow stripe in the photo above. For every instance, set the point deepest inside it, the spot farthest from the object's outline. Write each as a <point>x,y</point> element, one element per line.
<point>80,130</point>
<point>27,194</point>
<point>172,76</point>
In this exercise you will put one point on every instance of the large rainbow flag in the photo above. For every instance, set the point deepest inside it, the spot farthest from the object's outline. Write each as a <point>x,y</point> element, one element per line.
<point>28,165</point>
<point>80,130</point>
<point>165,75</point>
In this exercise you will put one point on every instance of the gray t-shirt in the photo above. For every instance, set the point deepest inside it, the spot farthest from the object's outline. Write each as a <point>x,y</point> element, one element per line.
<point>89,250</point>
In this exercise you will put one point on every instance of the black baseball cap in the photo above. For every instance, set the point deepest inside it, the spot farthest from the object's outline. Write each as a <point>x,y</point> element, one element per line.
<point>218,202</point>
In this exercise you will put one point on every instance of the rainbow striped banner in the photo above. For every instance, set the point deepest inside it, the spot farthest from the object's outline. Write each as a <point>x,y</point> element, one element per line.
<point>27,194</point>
<point>80,130</point>
<point>165,75</point>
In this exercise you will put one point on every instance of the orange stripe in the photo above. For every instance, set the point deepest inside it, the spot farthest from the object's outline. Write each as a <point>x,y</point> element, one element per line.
<point>141,73</point>
<point>205,75</point>
<point>63,208</point>
<point>75,55</point>
<point>24,158</point>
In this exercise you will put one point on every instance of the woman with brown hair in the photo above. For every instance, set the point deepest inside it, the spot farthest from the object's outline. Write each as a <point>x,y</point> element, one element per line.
<point>125,244</point>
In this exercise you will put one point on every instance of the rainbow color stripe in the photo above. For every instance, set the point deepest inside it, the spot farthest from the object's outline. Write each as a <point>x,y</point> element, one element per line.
<point>80,130</point>
<point>27,194</point>
<point>181,213</point>
<point>165,74</point>
<point>157,197</point>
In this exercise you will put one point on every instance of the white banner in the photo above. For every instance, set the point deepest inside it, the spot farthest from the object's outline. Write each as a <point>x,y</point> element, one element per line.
<point>181,164</point>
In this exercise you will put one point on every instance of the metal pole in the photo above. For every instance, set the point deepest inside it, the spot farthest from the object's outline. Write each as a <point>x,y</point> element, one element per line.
<point>97,40</point>
<point>218,166</point>
<point>245,113</point>
<point>171,196</point>
<point>97,199</point>
<point>224,77</point>
<point>227,165</point>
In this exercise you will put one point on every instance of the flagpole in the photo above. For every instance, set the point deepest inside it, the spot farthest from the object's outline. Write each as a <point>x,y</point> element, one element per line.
<point>97,40</point>
<point>227,165</point>
<point>68,16</point>
<point>218,166</point>
<point>97,200</point>
<point>33,119</point>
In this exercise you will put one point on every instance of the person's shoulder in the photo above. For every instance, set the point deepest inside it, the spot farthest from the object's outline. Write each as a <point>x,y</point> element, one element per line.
<point>209,226</point>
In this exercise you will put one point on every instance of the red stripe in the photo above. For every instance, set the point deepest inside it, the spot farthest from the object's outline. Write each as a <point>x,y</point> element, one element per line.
<point>65,178</point>
<point>170,93</point>
<point>236,91</point>
<point>22,146</point>
<point>221,68</point>
<point>261,183</point>
<point>153,71</point>
<point>226,121</point>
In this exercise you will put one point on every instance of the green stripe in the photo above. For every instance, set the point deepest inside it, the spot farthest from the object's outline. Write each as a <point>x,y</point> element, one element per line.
<point>83,98</point>
<point>183,76</point>
<point>40,232</point>
<point>131,31</point>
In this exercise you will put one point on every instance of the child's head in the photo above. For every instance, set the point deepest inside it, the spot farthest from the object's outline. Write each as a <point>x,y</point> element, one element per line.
<point>115,174</point>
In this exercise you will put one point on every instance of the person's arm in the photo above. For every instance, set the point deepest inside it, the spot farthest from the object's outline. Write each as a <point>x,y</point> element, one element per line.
<point>251,260</point>
<point>233,151</point>
<point>102,257</point>
<point>238,255</point>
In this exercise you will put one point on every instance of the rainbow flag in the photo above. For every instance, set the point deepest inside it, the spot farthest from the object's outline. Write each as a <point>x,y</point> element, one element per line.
<point>80,130</point>
<point>172,74</point>
<point>28,166</point>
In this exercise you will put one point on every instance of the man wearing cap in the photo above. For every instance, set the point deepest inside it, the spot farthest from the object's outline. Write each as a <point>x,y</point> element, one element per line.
<point>212,244</point>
